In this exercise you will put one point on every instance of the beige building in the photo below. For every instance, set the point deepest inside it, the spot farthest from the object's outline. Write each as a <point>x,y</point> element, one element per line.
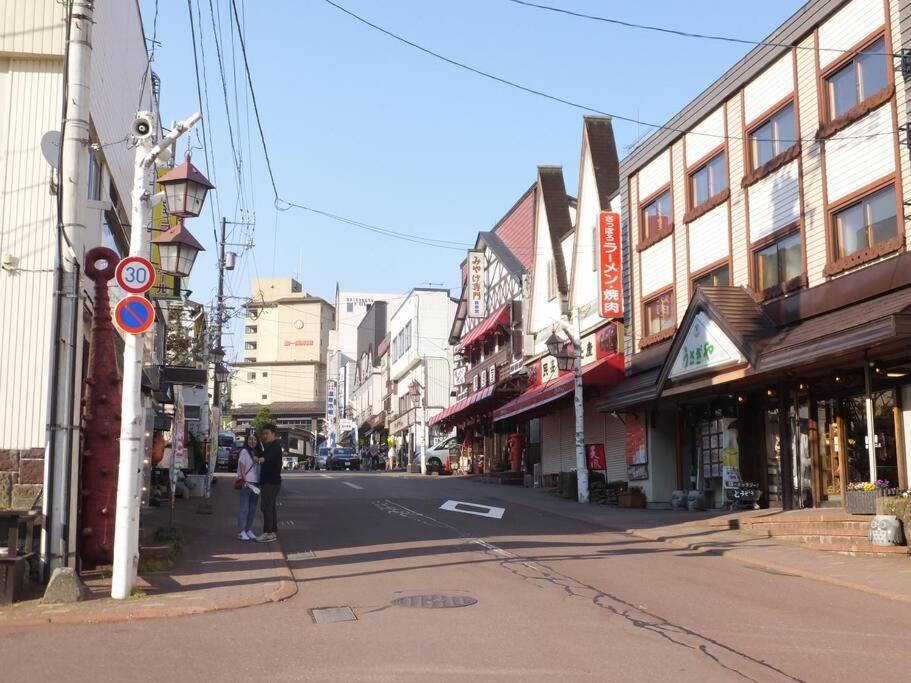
<point>283,366</point>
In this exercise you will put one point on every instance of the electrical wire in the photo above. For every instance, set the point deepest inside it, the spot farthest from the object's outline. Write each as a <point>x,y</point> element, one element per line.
<point>145,73</point>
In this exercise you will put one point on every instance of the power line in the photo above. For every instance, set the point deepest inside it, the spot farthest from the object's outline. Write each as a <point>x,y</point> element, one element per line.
<point>681,33</point>
<point>555,98</point>
<point>145,73</point>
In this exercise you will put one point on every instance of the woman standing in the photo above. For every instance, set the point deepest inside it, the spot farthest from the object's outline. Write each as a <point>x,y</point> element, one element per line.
<point>248,470</point>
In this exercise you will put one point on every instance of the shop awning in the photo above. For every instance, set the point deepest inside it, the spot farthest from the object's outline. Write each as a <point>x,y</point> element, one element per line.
<point>635,389</point>
<point>486,327</point>
<point>463,406</point>
<point>607,370</point>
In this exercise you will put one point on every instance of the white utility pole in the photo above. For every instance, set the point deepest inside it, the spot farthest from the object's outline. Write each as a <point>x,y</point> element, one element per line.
<point>126,530</point>
<point>574,332</point>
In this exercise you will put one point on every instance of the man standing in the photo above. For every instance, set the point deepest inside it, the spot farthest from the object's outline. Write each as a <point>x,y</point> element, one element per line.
<point>270,479</point>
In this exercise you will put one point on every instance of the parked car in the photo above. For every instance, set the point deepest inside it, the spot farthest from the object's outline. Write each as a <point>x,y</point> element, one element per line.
<point>344,459</point>
<point>443,456</point>
<point>223,459</point>
<point>289,462</point>
<point>321,461</point>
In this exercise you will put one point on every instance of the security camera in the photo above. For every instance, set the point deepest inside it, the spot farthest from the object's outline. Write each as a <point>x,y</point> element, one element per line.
<point>143,127</point>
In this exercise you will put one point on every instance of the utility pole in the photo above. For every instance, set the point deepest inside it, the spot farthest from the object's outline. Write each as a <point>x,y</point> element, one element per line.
<point>126,534</point>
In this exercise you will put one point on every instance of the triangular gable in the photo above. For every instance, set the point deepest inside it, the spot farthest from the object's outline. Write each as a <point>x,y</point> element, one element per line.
<point>705,347</point>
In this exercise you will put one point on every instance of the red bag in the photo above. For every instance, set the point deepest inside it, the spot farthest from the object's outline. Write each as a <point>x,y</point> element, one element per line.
<point>240,482</point>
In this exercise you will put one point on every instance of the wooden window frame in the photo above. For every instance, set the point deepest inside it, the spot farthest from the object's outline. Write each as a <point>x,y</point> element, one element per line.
<point>788,286</point>
<point>644,241</point>
<point>695,211</point>
<point>656,337</point>
<point>839,264</point>
<point>754,174</point>
<point>707,270</point>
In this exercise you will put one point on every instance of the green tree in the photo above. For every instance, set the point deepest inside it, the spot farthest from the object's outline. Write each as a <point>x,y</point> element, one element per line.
<point>181,346</point>
<point>263,417</point>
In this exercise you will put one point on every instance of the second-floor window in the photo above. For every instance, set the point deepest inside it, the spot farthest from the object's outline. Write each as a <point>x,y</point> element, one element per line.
<point>656,216</point>
<point>249,359</point>
<point>866,223</point>
<point>720,277</point>
<point>864,76</point>
<point>250,346</point>
<point>659,314</point>
<point>250,329</point>
<point>773,137</point>
<point>778,262</point>
<point>708,180</point>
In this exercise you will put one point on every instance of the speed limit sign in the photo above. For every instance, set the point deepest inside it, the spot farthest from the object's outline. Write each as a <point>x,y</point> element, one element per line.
<point>135,275</point>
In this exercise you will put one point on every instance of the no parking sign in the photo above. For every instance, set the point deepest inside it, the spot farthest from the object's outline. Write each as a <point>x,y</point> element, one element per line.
<point>134,314</point>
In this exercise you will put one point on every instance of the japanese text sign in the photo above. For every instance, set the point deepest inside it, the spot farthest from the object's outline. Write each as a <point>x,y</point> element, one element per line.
<point>476,289</point>
<point>594,453</point>
<point>610,265</point>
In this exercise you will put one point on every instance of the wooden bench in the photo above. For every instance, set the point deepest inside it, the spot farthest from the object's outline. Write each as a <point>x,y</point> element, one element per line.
<point>14,563</point>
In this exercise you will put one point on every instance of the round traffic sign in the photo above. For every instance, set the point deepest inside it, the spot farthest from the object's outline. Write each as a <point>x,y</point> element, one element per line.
<point>135,275</point>
<point>134,314</point>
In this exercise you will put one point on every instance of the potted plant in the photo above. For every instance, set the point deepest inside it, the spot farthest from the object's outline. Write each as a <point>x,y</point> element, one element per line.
<point>860,498</point>
<point>633,497</point>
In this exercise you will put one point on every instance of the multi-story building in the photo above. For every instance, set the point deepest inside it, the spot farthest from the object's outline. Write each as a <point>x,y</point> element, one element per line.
<point>768,274</point>
<point>286,341</point>
<point>420,358</point>
<point>370,376</point>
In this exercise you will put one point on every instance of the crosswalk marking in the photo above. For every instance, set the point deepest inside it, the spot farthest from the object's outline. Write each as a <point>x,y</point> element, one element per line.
<point>354,486</point>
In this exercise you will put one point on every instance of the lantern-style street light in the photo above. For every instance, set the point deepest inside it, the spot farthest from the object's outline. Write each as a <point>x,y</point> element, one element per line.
<point>221,372</point>
<point>177,250</point>
<point>185,190</point>
<point>554,344</point>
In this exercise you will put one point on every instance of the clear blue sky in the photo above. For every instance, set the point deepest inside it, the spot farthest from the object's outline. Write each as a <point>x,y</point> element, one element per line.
<point>360,125</point>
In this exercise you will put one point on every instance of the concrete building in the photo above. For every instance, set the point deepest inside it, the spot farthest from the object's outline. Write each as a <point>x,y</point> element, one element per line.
<point>286,342</point>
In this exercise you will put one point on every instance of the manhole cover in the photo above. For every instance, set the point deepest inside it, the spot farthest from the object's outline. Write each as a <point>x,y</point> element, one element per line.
<point>330,615</point>
<point>434,601</point>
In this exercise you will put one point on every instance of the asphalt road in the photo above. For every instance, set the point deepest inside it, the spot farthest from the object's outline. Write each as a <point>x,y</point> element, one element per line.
<point>555,598</point>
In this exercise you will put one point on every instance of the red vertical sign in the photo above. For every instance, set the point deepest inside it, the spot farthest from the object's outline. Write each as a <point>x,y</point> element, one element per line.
<point>611,267</point>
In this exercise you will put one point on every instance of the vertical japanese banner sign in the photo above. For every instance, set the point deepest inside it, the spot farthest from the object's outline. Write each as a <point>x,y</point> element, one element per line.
<point>611,266</point>
<point>166,286</point>
<point>330,401</point>
<point>476,294</point>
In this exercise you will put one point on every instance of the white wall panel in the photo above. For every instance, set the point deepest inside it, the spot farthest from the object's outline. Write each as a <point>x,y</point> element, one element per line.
<point>774,201</point>
<point>705,136</point>
<point>655,175</point>
<point>657,263</point>
<point>845,28</point>
<point>709,238</point>
<point>860,154</point>
<point>771,86</point>
<point>32,27</point>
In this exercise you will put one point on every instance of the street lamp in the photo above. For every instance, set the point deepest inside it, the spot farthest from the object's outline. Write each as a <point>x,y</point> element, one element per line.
<point>177,250</point>
<point>185,189</point>
<point>554,344</point>
<point>414,392</point>
<point>571,359</point>
<point>221,372</point>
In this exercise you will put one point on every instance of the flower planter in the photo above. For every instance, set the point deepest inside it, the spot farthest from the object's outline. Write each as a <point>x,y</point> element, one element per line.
<point>864,502</point>
<point>631,499</point>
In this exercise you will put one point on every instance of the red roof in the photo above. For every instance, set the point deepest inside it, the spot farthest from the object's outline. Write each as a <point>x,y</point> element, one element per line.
<point>461,406</point>
<point>480,331</point>
<point>608,370</point>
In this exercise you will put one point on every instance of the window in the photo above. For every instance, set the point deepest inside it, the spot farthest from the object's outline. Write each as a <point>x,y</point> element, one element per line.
<point>250,346</point>
<point>551,280</point>
<point>250,329</point>
<point>720,277</point>
<point>252,375</point>
<point>659,314</point>
<point>779,262</point>
<point>349,307</point>
<point>265,374</point>
<point>265,396</point>
<point>773,137</point>
<point>249,360</point>
<point>870,221</point>
<point>709,180</point>
<point>407,337</point>
<point>94,177</point>
<point>656,216</point>
<point>865,75</point>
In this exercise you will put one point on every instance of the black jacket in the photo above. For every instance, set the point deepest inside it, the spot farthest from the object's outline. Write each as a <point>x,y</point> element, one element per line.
<point>271,470</point>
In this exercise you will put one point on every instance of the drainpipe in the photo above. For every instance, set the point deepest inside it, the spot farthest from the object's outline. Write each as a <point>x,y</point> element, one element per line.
<point>73,403</point>
<point>871,425</point>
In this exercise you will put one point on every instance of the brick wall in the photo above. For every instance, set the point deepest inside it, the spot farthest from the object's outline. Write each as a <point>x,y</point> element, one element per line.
<point>21,478</point>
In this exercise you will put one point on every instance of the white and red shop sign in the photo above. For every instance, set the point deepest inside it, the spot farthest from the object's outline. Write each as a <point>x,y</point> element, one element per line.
<point>611,266</point>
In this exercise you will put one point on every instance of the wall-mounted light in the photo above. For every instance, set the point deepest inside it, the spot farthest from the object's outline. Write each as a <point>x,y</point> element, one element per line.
<point>771,393</point>
<point>741,399</point>
<point>803,386</point>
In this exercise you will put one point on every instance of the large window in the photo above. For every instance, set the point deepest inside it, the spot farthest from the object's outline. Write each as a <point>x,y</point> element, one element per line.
<point>773,137</point>
<point>659,314</point>
<point>656,216</point>
<point>720,277</point>
<point>869,222</point>
<point>709,180</point>
<point>865,75</point>
<point>94,177</point>
<point>779,262</point>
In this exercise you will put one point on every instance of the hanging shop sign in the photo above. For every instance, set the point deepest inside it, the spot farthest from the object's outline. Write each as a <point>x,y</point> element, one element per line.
<point>636,449</point>
<point>330,400</point>
<point>594,453</point>
<point>476,289</point>
<point>705,347</point>
<point>610,266</point>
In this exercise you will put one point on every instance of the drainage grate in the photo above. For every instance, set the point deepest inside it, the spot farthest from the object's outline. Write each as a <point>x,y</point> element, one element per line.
<point>305,555</point>
<point>434,601</point>
<point>330,615</point>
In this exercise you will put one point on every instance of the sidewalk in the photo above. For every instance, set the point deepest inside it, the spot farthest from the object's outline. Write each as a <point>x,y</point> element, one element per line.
<point>215,571</point>
<point>708,533</point>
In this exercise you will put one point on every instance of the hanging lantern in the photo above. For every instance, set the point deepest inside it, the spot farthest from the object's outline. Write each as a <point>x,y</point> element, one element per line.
<point>185,190</point>
<point>177,250</point>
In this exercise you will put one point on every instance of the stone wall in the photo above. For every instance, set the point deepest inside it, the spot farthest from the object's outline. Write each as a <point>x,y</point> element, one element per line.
<point>21,478</point>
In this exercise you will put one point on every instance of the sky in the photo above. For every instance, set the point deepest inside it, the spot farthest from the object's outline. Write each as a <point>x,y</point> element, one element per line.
<point>360,125</point>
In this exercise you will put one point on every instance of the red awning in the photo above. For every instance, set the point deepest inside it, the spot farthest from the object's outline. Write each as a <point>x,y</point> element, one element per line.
<point>480,331</point>
<point>463,405</point>
<point>607,370</point>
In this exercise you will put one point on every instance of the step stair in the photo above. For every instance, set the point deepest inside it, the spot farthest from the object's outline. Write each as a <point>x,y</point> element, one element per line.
<point>838,534</point>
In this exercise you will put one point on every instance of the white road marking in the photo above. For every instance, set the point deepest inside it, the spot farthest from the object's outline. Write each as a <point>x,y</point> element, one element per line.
<point>325,476</point>
<point>480,510</point>
<point>354,486</point>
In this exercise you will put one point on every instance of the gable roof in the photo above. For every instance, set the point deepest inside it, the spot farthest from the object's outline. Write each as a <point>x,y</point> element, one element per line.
<point>556,208</point>
<point>599,132</point>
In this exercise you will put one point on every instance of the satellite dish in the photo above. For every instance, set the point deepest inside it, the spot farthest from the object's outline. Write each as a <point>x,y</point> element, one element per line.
<point>50,147</point>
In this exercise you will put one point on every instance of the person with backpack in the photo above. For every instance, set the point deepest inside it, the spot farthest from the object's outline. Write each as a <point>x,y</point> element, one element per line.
<point>247,482</point>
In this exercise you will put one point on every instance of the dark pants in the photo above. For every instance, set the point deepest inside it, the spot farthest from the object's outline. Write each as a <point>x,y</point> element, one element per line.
<point>270,513</point>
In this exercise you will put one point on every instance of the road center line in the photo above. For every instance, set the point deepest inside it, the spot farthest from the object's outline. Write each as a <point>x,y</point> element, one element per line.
<point>354,486</point>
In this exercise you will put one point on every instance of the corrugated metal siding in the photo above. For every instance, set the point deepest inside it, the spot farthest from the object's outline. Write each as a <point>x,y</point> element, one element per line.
<point>771,86</point>
<point>657,266</point>
<point>27,217</point>
<point>740,270</point>
<point>709,238</point>
<point>774,201</point>
<point>567,419</point>
<point>615,448</point>
<point>845,28</point>
<point>705,136</point>
<point>853,160</point>
<point>681,234</point>
<point>550,443</point>
<point>32,27</point>
<point>814,213</point>
<point>655,175</point>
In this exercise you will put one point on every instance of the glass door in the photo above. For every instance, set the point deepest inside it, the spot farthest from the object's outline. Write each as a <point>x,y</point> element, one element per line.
<point>828,451</point>
<point>884,442</point>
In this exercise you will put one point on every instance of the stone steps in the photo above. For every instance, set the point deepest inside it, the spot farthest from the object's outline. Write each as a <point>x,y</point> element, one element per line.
<point>839,533</point>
